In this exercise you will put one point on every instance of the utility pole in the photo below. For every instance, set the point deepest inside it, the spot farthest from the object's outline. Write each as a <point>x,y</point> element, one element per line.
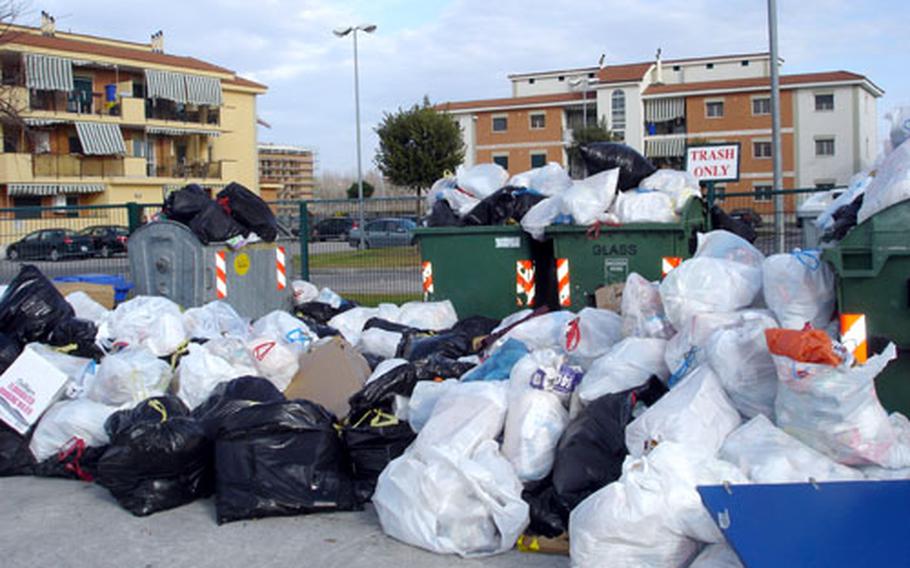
<point>779,222</point>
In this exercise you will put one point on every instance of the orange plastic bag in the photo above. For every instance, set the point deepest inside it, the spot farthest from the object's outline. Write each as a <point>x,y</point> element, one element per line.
<point>809,346</point>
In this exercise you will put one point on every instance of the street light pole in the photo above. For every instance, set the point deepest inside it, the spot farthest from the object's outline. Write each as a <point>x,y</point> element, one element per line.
<point>779,225</point>
<point>368,28</point>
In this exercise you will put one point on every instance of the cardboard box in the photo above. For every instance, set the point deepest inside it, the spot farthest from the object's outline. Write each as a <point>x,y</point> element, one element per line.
<point>609,297</point>
<point>28,387</point>
<point>544,545</point>
<point>329,374</point>
<point>101,293</point>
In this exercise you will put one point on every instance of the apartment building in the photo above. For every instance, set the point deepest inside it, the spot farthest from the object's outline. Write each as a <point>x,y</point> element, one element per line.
<point>828,119</point>
<point>105,121</point>
<point>286,172</point>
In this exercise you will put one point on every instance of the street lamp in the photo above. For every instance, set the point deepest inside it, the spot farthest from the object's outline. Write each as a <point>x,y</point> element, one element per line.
<point>341,32</point>
<point>584,82</point>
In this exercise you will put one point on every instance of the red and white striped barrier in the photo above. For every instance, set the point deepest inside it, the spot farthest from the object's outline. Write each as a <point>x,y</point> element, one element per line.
<point>668,263</point>
<point>426,271</point>
<point>220,275</point>
<point>525,283</point>
<point>562,279</point>
<point>280,269</point>
<point>853,336</point>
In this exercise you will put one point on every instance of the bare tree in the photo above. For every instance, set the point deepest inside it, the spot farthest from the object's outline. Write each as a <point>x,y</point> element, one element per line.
<point>11,108</point>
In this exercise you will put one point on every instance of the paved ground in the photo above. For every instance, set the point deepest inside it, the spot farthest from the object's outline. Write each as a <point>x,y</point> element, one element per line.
<point>61,523</point>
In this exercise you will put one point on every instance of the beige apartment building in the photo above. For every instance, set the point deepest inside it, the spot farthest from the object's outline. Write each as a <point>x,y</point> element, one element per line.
<point>286,172</point>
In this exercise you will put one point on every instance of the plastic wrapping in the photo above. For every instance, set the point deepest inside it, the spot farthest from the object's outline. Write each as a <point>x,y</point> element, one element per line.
<point>424,397</point>
<point>213,320</point>
<point>391,377</point>
<point>551,179</point>
<point>704,285</point>
<point>87,308</point>
<point>891,184</point>
<point>633,167</point>
<point>304,292</point>
<point>591,334</point>
<point>629,364</point>
<point>679,186</point>
<point>200,371</point>
<point>642,309</point>
<point>129,376</point>
<point>541,216</point>
<point>587,200</point>
<point>150,321</point>
<point>640,206</point>
<point>799,289</point>
<point>463,417</point>
<point>212,225</point>
<point>185,203</point>
<point>82,419</point>
<point>276,360</point>
<point>230,397</point>
<point>480,180</point>
<point>433,316</point>
<point>282,325</point>
<point>379,342</point>
<point>31,307</point>
<point>717,556</point>
<point>249,210</point>
<point>372,440</point>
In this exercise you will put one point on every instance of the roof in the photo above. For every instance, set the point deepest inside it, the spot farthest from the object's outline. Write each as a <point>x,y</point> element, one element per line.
<point>511,101</point>
<point>631,67</point>
<point>623,73</point>
<point>242,82</point>
<point>271,148</point>
<point>786,81</point>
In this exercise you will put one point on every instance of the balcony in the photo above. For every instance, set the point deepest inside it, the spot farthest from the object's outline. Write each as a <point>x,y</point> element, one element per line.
<point>173,112</point>
<point>75,166</point>
<point>197,170</point>
<point>57,102</point>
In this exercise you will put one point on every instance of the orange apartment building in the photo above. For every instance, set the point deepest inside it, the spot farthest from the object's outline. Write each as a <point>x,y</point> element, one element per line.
<point>828,119</point>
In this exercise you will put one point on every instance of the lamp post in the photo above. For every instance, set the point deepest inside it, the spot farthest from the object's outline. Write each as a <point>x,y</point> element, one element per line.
<point>341,32</point>
<point>776,156</point>
<point>584,82</point>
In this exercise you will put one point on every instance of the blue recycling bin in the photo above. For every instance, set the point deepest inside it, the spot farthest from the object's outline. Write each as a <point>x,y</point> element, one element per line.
<point>121,285</point>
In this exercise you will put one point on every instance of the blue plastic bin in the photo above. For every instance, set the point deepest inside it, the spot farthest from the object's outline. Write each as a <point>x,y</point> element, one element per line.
<point>121,285</point>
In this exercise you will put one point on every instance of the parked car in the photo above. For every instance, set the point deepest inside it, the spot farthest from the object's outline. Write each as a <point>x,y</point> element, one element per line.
<point>50,244</point>
<point>389,232</point>
<point>747,215</point>
<point>107,240</point>
<point>334,228</point>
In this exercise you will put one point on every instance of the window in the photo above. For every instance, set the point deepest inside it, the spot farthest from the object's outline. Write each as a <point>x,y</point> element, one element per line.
<point>502,160</point>
<point>761,106</point>
<point>744,63</point>
<point>618,110</point>
<point>714,109</point>
<point>72,201</point>
<point>538,120</point>
<point>531,81</point>
<point>75,145</point>
<point>28,213</point>
<point>824,146</point>
<point>500,123</point>
<point>709,66</point>
<point>538,159</point>
<point>138,148</point>
<point>42,141</point>
<point>80,98</point>
<point>590,75</point>
<point>824,102</point>
<point>762,192</point>
<point>761,150</point>
<point>676,67</point>
<point>562,77</point>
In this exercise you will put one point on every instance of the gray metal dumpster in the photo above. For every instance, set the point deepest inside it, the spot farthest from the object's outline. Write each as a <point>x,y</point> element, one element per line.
<point>166,259</point>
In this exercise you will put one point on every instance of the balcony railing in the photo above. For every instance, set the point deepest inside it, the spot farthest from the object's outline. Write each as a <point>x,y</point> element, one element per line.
<point>71,165</point>
<point>59,102</point>
<point>200,170</point>
<point>165,110</point>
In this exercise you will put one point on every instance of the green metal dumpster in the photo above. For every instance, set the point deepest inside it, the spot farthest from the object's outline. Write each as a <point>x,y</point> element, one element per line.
<point>487,271</point>
<point>872,264</point>
<point>585,262</point>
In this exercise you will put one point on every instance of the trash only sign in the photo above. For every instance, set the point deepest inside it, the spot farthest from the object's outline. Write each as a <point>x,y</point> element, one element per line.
<point>713,162</point>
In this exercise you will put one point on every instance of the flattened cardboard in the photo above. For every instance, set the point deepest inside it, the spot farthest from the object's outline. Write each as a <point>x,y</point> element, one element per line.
<point>329,374</point>
<point>609,297</point>
<point>27,388</point>
<point>101,293</point>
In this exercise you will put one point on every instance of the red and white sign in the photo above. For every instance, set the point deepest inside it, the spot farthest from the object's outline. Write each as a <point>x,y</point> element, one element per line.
<point>713,162</point>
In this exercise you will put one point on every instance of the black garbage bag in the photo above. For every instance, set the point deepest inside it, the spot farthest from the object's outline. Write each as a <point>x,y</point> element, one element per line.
<point>320,312</point>
<point>230,397</point>
<point>281,458</point>
<point>31,307</point>
<point>249,210</point>
<point>392,326</point>
<point>721,220</point>
<point>548,517</point>
<point>591,450</point>
<point>505,206</point>
<point>844,220</point>
<point>77,336</point>
<point>439,366</point>
<point>320,329</point>
<point>633,167</point>
<point>75,461</point>
<point>184,204</point>
<point>159,457</point>
<point>475,326</point>
<point>15,457</point>
<point>381,391</point>
<point>452,344</point>
<point>213,225</point>
<point>373,438</point>
<point>9,351</point>
<point>442,215</point>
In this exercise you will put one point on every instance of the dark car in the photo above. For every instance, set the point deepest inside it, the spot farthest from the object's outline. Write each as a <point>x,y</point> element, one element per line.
<point>107,240</point>
<point>389,232</point>
<point>335,228</point>
<point>50,244</point>
<point>748,216</point>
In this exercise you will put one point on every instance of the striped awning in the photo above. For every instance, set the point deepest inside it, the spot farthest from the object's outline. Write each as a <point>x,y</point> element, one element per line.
<point>101,139</point>
<point>662,110</point>
<point>48,73</point>
<point>165,85</point>
<point>202,90</point>
<point>51,189</point>
<point>167,131</point>
<point>665,147</point>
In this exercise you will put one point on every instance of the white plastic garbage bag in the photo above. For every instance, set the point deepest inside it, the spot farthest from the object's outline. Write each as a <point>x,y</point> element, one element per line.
<point>481,180</point>
<point>642,309</point>
<point>452,504</point>
<point>836,411</point>
<point>213,320</point>
<point>304,292</point>
<point>464,417</point>
<point>87,308</point>
<point>767,454</point>
<point>739,356</point>
<point>727,246</point>
<point>385,367</point>
<point>678,185</point>
<point>424,398</point>
<point>587,200</point>
<point>701,285</point>
<point>696,413</point>
<point>433,316</point>
<point>437,191</point>
<point>82,419</point>
<point>891,184</point>
<point>350,323</point>
<point>548,180</point>
<point>799,289</point>
<point>129,376</point>
<point>642,206</point>
<point>856,187</point>
<point>591,334</point>
<point>275,360</point>
<point>235,352</point>
<point>200,371</point>
<point>380,342</point>
<point>285,327</point>
<point>541,216</point>
<point>630,363</point>
<point>717,556</point>
<point>150,321</point>
<point>542,332</point>
<point>327,296</point>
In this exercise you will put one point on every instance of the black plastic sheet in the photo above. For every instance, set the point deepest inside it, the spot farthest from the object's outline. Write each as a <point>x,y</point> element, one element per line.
<point>31,307</point>
<point>381,391</point>
<point>633,167</point>
<point>249,210</point>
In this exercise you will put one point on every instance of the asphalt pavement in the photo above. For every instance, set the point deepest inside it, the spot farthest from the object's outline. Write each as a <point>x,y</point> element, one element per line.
<point>50,522</point>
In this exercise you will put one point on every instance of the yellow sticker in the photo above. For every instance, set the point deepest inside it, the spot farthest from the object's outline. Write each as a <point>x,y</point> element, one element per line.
<point>241,264</point>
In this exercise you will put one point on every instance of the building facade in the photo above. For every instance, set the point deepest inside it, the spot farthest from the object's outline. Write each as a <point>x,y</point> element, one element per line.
<point>828,119</point>
<point>286,172</point>
<point>103,121</point>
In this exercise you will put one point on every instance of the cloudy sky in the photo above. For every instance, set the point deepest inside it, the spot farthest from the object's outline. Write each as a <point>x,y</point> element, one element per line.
<point>463,49</point>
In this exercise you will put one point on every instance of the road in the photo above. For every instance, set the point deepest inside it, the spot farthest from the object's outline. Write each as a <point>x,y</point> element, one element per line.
<point>51,522</point>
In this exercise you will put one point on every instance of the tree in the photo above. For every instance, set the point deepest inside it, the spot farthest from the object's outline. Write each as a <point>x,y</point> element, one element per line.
<point>368,190</point>
<point>418,145</point>
<point>585,135</point>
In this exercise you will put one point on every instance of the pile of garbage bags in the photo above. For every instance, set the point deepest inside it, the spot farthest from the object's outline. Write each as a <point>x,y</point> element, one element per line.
<point>236,215</point>
<point>622,187</point>
<point>466,434</point>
